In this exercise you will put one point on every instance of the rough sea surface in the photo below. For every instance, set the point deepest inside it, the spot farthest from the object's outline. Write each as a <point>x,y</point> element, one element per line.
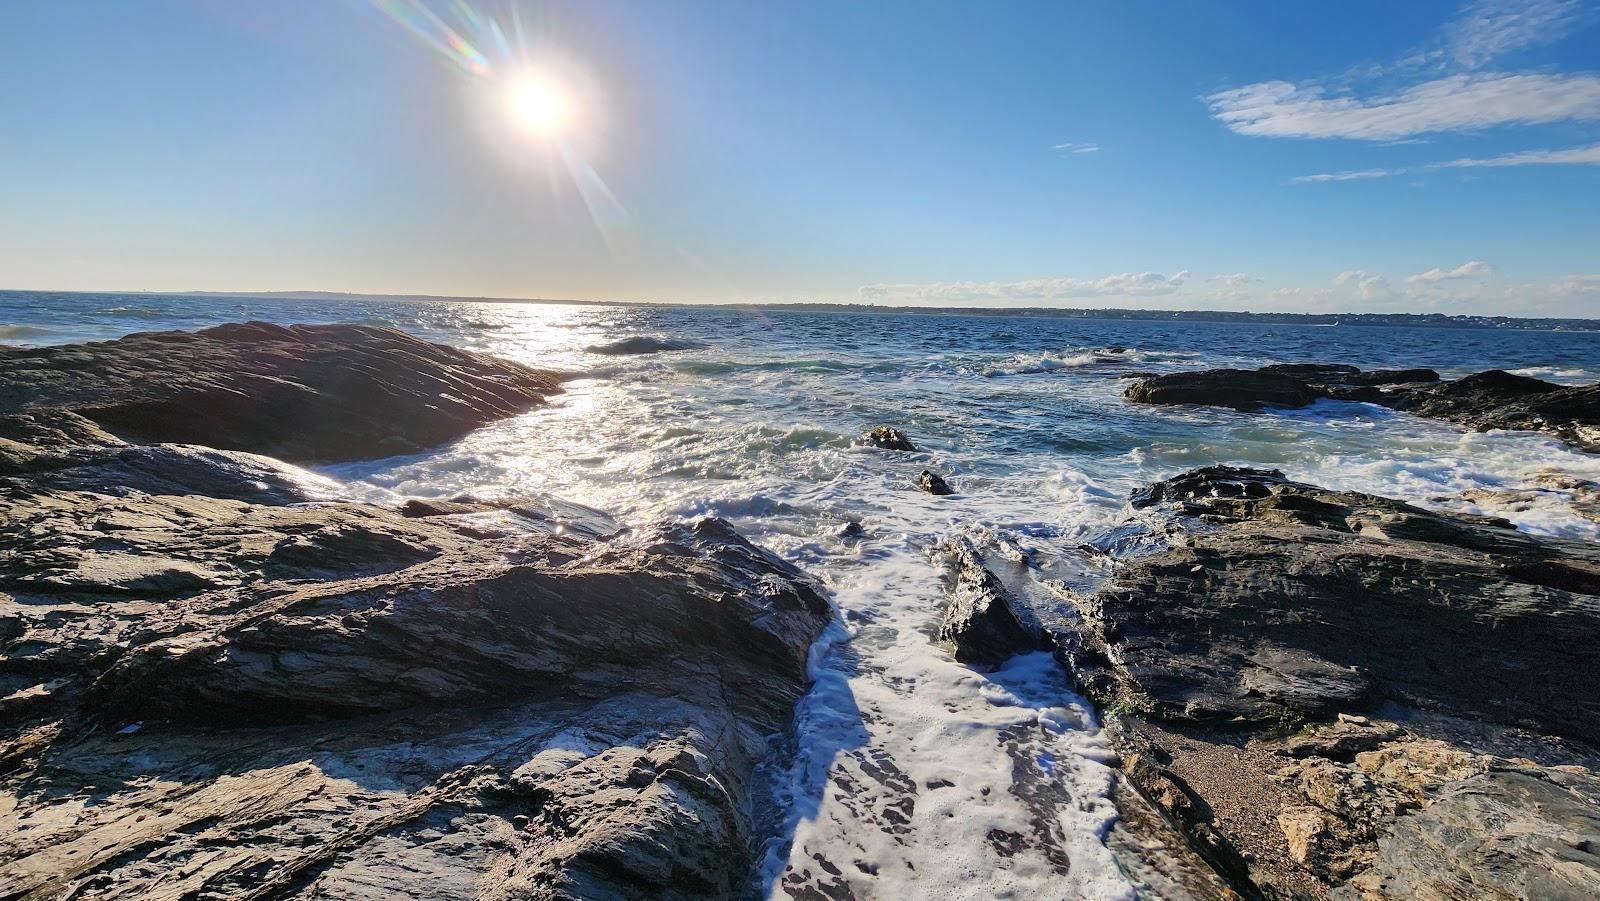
<point>910,774</point>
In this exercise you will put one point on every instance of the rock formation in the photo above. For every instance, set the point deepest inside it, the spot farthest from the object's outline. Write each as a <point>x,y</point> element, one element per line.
<point>933,483</point>
<point>216,682</point>
<point>1336,692</point>
<point>303,393</point>
<point>889,438</point>
<point>1487,400</point>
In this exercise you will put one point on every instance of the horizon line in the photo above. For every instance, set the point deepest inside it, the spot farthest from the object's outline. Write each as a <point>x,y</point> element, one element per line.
<point>800,304</point>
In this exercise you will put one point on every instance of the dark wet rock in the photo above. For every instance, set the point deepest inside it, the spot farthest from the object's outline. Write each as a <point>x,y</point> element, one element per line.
<point>1393,377</point>
<point>1315,373</point>
<point>301,393</point>
<point>1487,400</point>
<point>982,622</point>
<point>1241,389</point>
<point>644,344</point>
<point>1501,400</point>
<point>1283,599</point>
<point>1332,692</point>
<point>890,438</point>
<point>933,483</point>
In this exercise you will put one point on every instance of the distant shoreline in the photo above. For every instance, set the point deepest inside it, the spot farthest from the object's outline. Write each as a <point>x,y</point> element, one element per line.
<point>1389,320</point>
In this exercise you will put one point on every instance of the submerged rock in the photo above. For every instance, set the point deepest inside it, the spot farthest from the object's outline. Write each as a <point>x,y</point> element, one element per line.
<point>643,344</point>
<point>306,393</point>
<point>890,438</point>
<point>933,483</point>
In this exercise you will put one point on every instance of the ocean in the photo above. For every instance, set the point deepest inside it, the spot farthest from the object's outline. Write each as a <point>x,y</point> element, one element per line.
<point>757,418</point>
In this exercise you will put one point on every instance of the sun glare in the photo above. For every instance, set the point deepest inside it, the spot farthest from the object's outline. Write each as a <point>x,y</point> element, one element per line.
<point>539,106</point>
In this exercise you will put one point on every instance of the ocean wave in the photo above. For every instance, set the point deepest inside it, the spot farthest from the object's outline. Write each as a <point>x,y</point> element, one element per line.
<point>644,344</point>
<point>1077,358</point>
<point>141,313</point>
<point>18,332</point>
<point>1563,375</point>
<point>725,367</point>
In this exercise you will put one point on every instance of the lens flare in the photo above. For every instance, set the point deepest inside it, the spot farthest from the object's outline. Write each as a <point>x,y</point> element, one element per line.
<point>534,101</point>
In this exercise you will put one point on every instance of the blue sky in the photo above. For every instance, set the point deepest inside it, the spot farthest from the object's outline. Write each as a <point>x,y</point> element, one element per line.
<point>1253,155</point>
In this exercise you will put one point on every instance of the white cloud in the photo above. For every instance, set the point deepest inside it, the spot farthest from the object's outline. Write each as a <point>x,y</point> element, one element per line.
<point>1577,286</point>
<point>1077,148</point>
<point>1454,103</point>
<point>1233,280</point>
<point>1128,284</point>
<point>1357,175</point>
<point>1572,156</point>
<point>1491,28</point>
<point>1470,269</point>
<point>1369,286</point>
<point>1575,156</point>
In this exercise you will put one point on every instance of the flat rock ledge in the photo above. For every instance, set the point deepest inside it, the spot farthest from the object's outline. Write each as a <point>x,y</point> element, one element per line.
<point>1486,400</point>
<point>1332,694</point>
<point>215,683</point>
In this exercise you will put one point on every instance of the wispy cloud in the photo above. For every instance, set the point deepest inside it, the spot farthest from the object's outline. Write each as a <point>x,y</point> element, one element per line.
<point>1574,156</point>
<point>1468,270</point>
<point>1456,103</point>
<point>1077,148</point>
<point>1571,156</point>
<point>1127,284</point>
<point>1233,279</point>
<point>1369,286</point>
<point>1488,29</point>
<point>1356,175</point>
<point>1449,90</point>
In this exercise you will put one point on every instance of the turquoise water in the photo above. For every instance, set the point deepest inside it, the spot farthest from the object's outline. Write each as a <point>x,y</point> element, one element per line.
<point>1024,416</point>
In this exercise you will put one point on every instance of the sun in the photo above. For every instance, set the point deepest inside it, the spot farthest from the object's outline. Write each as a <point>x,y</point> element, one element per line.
<point>539,106</point>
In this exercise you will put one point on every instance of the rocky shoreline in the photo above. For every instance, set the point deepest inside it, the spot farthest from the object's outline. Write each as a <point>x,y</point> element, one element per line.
<point>217,684</point>
<point>1331,694</point>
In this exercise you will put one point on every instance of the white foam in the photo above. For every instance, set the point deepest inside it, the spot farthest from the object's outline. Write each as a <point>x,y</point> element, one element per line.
<point>917,776</point>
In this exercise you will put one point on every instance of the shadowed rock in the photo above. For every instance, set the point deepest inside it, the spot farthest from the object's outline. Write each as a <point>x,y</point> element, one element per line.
<point>1501,400</point>
<point>1241,389</point>
<point>1487,400</point>
<point>307,393</point>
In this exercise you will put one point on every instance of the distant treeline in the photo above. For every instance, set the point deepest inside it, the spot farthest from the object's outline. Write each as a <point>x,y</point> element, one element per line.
<point>1411,320</point>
